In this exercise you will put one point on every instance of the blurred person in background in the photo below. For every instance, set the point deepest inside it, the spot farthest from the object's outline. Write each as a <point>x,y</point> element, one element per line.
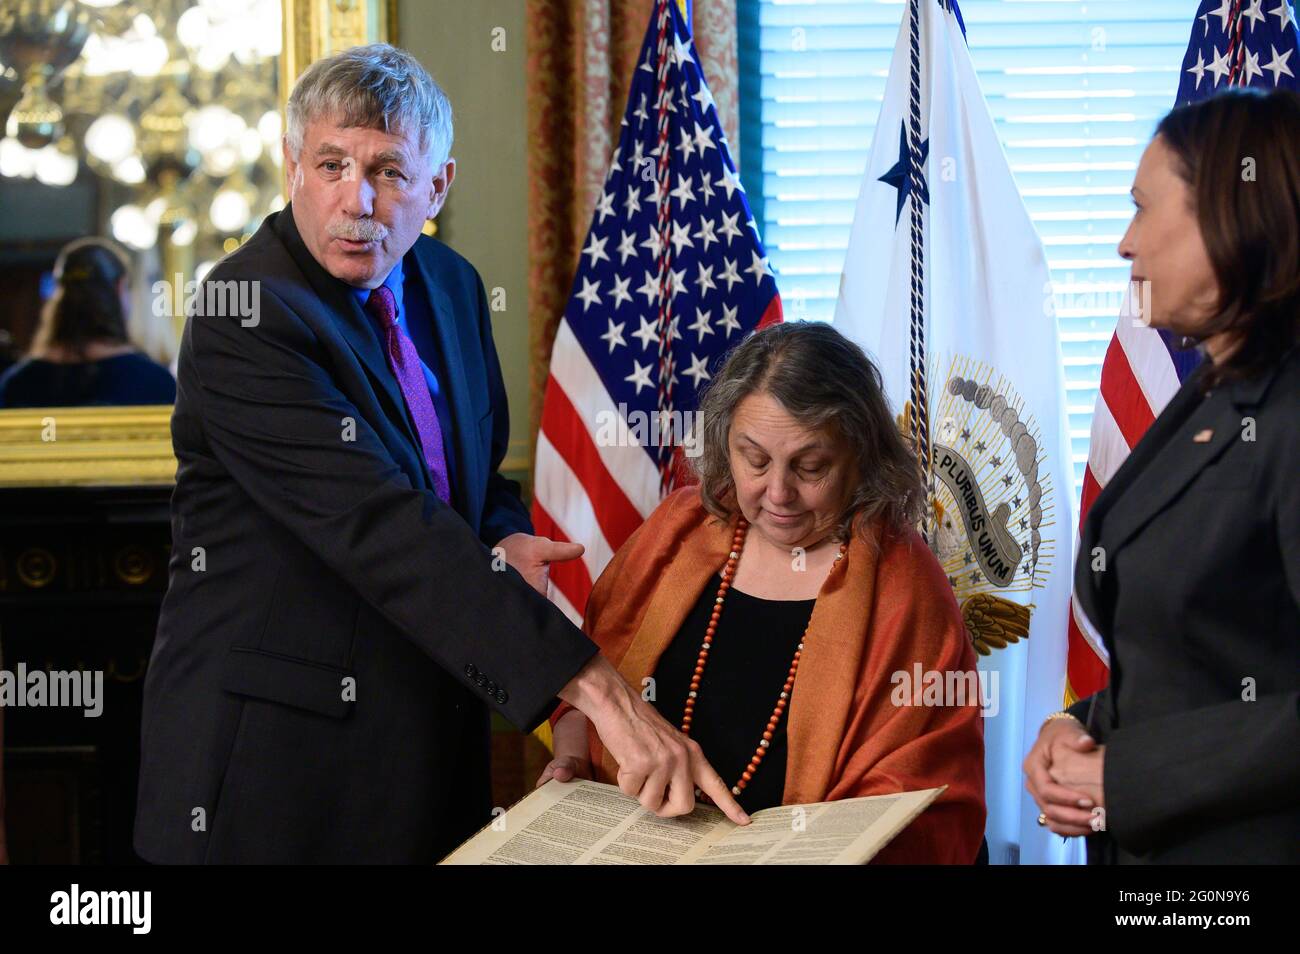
<point>81,353</point>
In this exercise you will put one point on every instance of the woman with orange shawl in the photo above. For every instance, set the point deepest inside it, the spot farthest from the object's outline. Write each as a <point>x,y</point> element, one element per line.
<point>774,610</point>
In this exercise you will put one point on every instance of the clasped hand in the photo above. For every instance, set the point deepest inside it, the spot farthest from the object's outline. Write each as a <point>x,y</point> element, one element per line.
<point>1064,772</point>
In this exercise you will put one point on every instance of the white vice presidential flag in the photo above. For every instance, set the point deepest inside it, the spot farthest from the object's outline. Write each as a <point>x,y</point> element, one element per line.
<point>946,286</point>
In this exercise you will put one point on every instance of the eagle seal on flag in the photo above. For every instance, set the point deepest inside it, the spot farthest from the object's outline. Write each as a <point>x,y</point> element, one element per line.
<point>987,502</point>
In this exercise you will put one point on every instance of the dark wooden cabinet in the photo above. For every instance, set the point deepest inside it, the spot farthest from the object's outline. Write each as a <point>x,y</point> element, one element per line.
<point>82,575</point>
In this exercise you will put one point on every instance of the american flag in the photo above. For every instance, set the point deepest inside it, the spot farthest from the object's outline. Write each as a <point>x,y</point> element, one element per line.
<point>1234,43</point>
<point>671,277</point>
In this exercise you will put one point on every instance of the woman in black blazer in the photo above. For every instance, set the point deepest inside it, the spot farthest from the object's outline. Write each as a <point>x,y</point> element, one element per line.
<point>1189,564</point>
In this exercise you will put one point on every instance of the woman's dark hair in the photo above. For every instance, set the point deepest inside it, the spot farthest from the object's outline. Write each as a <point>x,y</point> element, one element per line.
<point>86,306</point>
<point>824,381</point>
<point>1239,151</point>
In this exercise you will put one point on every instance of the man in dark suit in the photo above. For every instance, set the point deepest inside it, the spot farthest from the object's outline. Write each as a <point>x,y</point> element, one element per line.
<point>336,628</point>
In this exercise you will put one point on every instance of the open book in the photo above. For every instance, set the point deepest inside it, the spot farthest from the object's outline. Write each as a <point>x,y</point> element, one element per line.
<point>588,823</point>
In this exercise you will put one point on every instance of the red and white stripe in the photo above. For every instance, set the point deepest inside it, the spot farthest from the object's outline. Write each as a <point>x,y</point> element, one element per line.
<point>1138,379</point>
<point>595,483</point>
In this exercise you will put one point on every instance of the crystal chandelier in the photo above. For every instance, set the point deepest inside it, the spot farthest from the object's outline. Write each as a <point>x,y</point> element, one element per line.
<point>173,101</point>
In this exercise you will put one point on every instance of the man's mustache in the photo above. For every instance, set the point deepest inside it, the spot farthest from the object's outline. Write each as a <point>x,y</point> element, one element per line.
<point>359,230</point>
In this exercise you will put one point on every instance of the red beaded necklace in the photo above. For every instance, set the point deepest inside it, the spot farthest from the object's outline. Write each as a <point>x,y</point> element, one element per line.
<point>728,572</point>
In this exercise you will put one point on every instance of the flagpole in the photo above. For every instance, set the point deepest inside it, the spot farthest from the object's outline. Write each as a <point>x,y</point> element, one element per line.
<point>920,419</point>
<point>664,323</point>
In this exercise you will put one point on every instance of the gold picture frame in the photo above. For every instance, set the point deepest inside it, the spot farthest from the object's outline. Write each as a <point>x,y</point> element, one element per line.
<point>316,28</point>
<point>86,446</point>
<point>132,446</point>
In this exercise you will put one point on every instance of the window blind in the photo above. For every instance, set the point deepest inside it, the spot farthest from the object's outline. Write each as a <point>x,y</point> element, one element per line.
<point>1075,89</point>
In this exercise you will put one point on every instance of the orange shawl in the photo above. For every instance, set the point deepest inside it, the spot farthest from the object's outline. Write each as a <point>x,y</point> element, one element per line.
<point>878,613</point>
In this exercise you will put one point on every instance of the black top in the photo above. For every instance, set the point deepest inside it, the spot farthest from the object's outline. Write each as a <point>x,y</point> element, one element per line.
<point>749,660</point>
<point>129,378</point>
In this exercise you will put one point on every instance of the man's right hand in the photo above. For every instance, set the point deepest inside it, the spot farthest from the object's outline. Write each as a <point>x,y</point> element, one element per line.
<point>657,765</point>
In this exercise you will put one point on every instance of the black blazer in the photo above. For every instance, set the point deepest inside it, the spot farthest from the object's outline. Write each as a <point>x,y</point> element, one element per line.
<point>333,635</point>
<point>1198,601</point>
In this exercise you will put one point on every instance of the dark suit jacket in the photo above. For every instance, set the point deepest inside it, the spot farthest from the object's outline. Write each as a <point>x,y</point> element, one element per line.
<point>333,635</point>
<point>1198,600</point>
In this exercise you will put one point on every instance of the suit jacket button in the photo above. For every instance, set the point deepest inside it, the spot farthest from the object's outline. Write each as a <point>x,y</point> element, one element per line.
<point>491,687</point>
<point>480,680</point>
<point>471,671</point>
<point>501,697</point>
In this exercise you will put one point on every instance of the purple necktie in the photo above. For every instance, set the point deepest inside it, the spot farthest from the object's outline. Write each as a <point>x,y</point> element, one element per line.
<point>405,363</point>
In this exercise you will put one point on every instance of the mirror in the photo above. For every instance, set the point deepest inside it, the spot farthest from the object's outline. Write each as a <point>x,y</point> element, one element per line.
<point>155,125</point>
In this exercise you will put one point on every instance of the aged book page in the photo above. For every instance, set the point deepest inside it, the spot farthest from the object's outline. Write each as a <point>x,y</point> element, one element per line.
<point>581,823</point>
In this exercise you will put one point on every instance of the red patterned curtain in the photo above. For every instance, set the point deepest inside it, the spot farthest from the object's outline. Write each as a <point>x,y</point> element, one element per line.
<point>581,54</point>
